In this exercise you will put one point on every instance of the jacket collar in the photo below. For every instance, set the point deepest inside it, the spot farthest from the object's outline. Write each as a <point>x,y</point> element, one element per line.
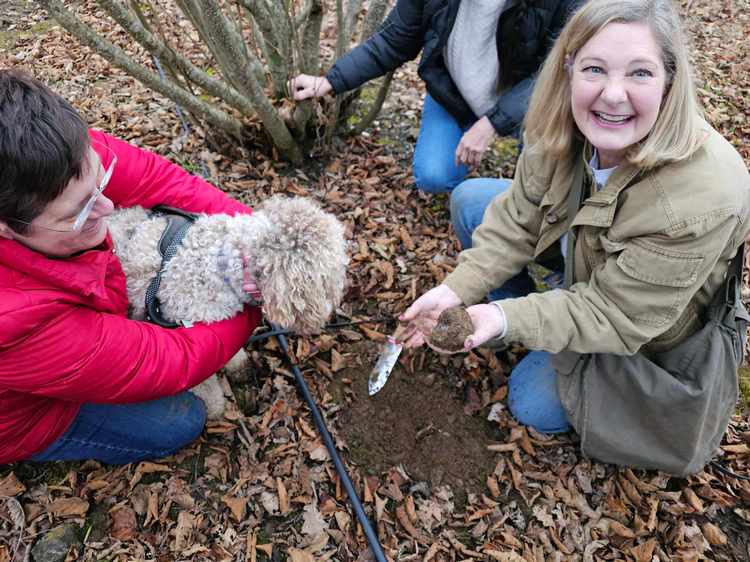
<point>599,208</point>
<point>82,274</point>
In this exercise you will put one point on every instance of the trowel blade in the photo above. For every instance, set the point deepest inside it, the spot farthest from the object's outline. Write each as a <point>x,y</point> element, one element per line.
<point>382,370</point>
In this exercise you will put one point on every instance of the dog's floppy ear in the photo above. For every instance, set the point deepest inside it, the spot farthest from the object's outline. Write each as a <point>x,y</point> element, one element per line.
<point>301,260</point>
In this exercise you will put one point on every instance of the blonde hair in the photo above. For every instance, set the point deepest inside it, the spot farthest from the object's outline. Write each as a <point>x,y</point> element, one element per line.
<point>676,134</point>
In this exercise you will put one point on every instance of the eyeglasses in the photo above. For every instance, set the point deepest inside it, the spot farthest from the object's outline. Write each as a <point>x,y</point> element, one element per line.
<point>81,218</point>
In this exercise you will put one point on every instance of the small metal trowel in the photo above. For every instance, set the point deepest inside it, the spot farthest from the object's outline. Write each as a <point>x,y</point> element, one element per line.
<point>382,370</point>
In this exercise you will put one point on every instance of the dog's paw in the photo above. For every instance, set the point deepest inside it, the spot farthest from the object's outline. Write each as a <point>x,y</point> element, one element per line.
<point>237,366</point>
<point>211,393</point>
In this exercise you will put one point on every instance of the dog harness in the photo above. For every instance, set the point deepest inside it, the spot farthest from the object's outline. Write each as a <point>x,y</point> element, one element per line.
<point>178,223</point>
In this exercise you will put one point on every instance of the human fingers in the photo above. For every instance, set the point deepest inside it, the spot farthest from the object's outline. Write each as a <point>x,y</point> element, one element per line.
<point>476,158</point>
<point>302,86</point>
<point>415,340</point>
<point>417,308</point>
<point>488,321</point>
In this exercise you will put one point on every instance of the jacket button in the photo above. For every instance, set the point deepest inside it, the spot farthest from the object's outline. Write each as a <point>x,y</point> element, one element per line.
<point>552,217</point>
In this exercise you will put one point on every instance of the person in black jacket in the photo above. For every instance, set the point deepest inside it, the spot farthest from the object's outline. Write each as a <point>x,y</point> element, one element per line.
<point>479,60</point>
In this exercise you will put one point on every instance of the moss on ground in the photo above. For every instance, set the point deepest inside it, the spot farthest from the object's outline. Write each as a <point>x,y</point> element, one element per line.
<point>9,39</point>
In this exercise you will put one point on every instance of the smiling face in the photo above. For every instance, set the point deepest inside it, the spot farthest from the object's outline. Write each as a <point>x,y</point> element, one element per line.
<point>617,84</point>
<point>61,214</point>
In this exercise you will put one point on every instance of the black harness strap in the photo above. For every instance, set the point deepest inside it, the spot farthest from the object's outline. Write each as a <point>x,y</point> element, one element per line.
<point>178,223</point>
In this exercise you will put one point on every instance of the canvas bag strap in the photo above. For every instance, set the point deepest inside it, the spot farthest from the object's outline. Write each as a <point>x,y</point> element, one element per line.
<point>575,199</point>
<point>732,289</point>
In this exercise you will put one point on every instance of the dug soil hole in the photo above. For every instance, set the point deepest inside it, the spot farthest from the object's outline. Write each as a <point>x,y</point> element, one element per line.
<point>416,420</point>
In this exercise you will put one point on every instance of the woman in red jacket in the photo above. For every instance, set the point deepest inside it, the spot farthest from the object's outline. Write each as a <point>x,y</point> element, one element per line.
<point>78,379</point>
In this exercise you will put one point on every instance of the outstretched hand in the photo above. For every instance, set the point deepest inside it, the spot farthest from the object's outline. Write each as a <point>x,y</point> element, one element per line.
<point>421,317</point>
<point>474,143</point>
<point>305,86</point>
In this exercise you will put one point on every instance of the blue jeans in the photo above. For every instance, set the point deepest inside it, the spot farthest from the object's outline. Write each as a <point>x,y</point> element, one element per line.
<point>434,163</point>
<point>532,389</point>
<point>125,433</point>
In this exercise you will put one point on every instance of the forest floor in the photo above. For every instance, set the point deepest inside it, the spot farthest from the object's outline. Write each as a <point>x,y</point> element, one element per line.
<point>442,468</point>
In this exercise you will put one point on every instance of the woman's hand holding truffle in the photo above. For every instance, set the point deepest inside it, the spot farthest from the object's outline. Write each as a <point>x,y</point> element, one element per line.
<point>422,315</point>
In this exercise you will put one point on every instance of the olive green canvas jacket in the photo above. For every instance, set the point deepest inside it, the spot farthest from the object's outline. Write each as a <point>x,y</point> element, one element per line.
<point>652,249</point>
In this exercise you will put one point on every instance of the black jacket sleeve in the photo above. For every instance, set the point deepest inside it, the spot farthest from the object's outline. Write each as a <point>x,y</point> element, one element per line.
<point>398,40</point>
<point>508,113</point>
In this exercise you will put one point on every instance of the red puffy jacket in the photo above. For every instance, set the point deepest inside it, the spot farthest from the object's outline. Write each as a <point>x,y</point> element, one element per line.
<point>64,335</point>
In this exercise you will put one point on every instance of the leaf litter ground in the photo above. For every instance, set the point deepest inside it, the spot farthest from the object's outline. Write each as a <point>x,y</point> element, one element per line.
<point>443,470</point>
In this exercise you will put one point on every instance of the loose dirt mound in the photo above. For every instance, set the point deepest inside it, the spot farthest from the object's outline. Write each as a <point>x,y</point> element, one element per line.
<point>416,421</point>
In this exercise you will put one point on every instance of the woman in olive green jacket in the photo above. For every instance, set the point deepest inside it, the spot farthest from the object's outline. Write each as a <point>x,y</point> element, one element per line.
<point>637,353</point>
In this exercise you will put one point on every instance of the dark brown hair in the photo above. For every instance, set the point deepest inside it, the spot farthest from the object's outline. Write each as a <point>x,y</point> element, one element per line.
<point>43,145</point>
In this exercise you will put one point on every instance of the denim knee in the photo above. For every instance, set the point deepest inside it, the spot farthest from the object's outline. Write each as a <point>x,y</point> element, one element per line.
<point>434,176</point>
<point>532,395</point>
<point>469,201</point>
<point>186,418</point>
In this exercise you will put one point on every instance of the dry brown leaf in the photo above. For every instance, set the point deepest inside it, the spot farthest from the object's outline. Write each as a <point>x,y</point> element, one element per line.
<point>124,524</point>
<point>373,334</point>
<point>713,534</point>
<point>236,506</point>
<point>693,500</point>
<point>431,552</point>
<point>479,513</point>
<point>297,555</point>
<point>411,510</point>
<point>68,507</point>
<point>152,510</point>
<point>314,524</point>
<point>283,496</point>
<point>403,518</point>
<point>146,467</point>
<point>368,493</point>
<point>337,361</point>
<point>644,551</point>
<point>95,485</point>
<point>251,546</point>
<point>379,507</point>
<point>183,531</point>
<point>493,486</point>
<point>509,556</point>
<point>619,529</point>
<point>10,485</point>
<point>502,447</point>
<point>631,492</point>
<point>738,449</point>
<point>511,541</point>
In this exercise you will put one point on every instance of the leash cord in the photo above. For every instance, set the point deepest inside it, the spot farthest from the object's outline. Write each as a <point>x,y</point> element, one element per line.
<point>276,330</point>
<point>721,468</point>
<point>320,423</point>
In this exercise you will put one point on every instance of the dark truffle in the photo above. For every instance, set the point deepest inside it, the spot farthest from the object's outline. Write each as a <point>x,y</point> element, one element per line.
<point>454,325</point>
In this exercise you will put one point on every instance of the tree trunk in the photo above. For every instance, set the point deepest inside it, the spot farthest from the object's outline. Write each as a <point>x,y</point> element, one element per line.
<point>241,66</point>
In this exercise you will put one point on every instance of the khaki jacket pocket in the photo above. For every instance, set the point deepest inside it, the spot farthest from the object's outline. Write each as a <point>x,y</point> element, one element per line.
<point>658,266</point>
<point>670,278</point>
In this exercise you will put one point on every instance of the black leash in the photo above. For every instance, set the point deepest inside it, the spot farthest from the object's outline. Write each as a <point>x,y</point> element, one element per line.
<point>275,331</point>
<point>721,468</point>
<point>372,537</point>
